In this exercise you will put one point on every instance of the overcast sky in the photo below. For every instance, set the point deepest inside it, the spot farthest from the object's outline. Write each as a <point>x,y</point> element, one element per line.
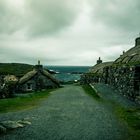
<point>67,32</point>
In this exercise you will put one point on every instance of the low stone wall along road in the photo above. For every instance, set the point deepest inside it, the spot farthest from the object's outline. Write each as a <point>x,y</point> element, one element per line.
<point>68,114</point>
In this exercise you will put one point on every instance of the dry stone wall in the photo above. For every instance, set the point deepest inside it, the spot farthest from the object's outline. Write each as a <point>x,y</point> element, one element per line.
<point>124,78</point>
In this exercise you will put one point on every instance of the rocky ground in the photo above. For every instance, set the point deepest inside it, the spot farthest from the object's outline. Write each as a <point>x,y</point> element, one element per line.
<point>68,114</point>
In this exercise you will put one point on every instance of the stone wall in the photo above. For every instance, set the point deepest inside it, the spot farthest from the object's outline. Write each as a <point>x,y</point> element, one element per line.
<point>126,79</point>
<point>88,78</point>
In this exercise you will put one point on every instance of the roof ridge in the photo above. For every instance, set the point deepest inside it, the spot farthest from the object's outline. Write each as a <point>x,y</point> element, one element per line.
<point>27,76</point>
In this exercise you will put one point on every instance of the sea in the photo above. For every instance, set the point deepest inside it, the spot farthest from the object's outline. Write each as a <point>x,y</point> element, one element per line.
<point>68,73</point>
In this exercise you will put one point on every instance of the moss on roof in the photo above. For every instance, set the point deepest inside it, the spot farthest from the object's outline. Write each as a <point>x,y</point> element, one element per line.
<point>132,56</point>
<point>98,68</point>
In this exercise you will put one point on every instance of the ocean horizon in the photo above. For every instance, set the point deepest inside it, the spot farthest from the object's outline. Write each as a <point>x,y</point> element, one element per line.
<point>68,73</point>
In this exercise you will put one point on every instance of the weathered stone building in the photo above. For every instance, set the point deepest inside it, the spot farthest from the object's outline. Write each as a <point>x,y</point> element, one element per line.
<point>37,79</point>
<point>95,74</point>
<point>123,73</point>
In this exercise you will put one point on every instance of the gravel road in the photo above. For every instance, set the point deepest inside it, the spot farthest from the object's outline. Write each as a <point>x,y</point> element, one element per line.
<point>68,114</point>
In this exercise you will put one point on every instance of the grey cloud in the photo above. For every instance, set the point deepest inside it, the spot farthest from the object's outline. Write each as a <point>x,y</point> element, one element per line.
<point>37,18</point>
<point>9,18</point>
<point>59,32</point>
<point>47,16</point>
<point>118,14</point>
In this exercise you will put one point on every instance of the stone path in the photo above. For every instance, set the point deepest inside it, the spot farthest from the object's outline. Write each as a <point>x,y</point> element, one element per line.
<point>68,114</point>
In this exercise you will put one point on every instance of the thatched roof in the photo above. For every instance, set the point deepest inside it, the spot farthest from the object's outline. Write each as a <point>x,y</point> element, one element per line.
<point>98,68</point>
<point>46,73</point>
<point>131,56</point>
<point>27,76</point>
<point>32,73</point>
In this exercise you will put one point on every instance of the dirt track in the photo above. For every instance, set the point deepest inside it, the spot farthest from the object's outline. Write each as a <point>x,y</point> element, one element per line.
<point>68,114</point>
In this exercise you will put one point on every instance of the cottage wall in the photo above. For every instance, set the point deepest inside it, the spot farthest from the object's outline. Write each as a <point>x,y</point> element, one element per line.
<point>28,86</point>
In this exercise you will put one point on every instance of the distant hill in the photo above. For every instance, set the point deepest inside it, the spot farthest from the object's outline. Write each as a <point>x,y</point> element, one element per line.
<point>17,69</point>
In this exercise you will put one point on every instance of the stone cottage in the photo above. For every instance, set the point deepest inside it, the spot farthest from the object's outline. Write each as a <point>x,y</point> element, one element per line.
<point>37,79</point>
<point>95,73</point>
<point>123,73</point>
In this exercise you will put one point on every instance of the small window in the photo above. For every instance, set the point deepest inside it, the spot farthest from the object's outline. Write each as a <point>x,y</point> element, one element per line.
<point>29,86</point>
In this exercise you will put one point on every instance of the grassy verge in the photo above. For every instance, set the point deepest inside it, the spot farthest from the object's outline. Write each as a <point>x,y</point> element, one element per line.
<point>88,89</point>
<point>131,117</point>
<point>21,103</point>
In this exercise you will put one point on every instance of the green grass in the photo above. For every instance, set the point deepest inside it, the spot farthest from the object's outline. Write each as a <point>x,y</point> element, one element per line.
<point>17,69</point>
<point>128,116</point>
<point>22,103</point>
<point>131,117</point>
<point>88,89</point>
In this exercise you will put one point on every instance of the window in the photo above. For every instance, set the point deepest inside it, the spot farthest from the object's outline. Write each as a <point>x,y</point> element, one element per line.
<point>29,86</point>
